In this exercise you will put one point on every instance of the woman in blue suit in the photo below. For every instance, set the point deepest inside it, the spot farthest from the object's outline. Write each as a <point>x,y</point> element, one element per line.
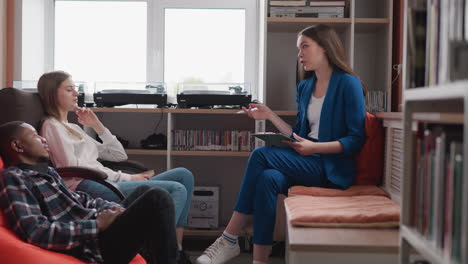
<point>329,130</point>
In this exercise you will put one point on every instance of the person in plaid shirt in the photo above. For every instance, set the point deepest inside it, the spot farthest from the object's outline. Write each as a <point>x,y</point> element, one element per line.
<point>42,211</point>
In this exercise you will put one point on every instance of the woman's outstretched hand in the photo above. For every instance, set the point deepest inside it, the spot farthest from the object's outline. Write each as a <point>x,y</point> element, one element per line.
<point>258,111</point>
<point>87,117</point>
<point>303,146</point>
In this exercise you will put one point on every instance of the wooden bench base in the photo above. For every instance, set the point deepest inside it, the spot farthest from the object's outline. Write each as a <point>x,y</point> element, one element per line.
<point>340,245</point>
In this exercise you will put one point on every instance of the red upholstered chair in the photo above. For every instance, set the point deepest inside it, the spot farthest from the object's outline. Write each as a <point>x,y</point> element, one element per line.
<point>15,251</point>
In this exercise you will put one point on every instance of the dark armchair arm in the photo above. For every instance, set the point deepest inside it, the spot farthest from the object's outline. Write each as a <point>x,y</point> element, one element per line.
<point>127,166</point>
<point>90,174</point>
<point>82,172</point>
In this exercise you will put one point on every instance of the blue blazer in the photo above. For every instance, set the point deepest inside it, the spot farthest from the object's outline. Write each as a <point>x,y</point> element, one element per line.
<point>342,119</point>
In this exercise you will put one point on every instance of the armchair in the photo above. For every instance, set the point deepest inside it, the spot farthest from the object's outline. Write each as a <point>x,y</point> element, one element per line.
<point>17,104</point>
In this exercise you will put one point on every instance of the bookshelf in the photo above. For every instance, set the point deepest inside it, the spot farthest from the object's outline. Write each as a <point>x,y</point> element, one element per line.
<point>366,33</point>
<point>434,219</point>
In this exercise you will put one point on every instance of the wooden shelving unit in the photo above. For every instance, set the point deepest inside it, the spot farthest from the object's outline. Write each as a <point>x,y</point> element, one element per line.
<point>424,105</point>
<point>279,24</point>
<point>434,220</point>
<point>366,34</point>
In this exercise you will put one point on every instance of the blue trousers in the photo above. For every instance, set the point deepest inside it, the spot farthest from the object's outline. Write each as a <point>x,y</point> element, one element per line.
<point>177,182</point>
<point>271,171</point>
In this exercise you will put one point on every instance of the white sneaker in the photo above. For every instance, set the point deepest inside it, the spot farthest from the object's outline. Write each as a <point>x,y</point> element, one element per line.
<point>219,252</point>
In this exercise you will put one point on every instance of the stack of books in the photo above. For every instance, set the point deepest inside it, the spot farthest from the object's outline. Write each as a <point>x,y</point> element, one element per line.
<point>307,8</point>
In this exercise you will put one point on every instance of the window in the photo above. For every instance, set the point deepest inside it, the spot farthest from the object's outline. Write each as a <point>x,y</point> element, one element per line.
<point>169,41</point>
<point>101,40</point>
<point>209,49</point>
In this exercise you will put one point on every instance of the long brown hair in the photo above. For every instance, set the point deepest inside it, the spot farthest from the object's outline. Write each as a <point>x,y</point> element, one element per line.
<point>327,38</point>
<point>48,86</point>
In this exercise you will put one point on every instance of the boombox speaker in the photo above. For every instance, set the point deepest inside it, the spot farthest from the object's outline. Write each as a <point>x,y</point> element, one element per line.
<point>204,210</point>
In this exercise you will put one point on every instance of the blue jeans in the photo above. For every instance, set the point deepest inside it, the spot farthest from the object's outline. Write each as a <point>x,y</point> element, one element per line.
<point>271,171</point>
<point>177,182</point>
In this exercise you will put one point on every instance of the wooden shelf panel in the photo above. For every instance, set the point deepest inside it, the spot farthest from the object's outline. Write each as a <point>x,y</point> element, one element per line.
<point>280,24</point>
<point>202,111</point>
<point>127,110</point>
<point>342,239</point>
<point>390,115</point>
<point>455,90</point>
<point>423,246</point>
<point>439,118</point>
<point>211,153</point>
<point>370,24</point>
<point>164,110</point>
<point>180,111</point>
<point>149,152</point>
<point>372,20</point>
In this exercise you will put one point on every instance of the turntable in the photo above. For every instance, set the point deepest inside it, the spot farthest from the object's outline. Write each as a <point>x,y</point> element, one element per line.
<point>214,94</point>
<point>115,94</point>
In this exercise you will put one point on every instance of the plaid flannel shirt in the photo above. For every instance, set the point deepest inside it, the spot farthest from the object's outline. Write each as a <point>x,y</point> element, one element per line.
<point>42,211</point>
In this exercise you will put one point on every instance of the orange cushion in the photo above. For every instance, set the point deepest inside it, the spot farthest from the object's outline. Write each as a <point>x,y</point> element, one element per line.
<point>15,251</point>
<point>355,211</point>
<point>355,190</point>
<point>370,160</point>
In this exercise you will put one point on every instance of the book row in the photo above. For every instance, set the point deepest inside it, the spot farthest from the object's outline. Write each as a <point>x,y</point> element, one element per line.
<point>437,187</point>
<point>212,140</point>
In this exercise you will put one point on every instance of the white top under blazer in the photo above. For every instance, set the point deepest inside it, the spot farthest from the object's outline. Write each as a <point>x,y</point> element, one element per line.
<point>314,111</point>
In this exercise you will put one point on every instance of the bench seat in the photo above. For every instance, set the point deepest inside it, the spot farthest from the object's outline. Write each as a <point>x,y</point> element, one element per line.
<point>340,245</point>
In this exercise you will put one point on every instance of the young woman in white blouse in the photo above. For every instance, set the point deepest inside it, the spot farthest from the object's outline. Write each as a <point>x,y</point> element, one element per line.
<point>71,146</point>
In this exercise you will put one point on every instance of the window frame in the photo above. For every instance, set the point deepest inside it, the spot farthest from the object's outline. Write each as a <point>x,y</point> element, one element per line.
<point>155,35</point>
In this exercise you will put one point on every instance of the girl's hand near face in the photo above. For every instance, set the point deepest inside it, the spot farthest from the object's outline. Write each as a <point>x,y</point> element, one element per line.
<point>304,146</point>
<point>258,111</point>
<point>87,117</point>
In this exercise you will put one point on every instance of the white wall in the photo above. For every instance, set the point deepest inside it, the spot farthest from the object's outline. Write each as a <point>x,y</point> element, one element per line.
<point>3,39</point>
